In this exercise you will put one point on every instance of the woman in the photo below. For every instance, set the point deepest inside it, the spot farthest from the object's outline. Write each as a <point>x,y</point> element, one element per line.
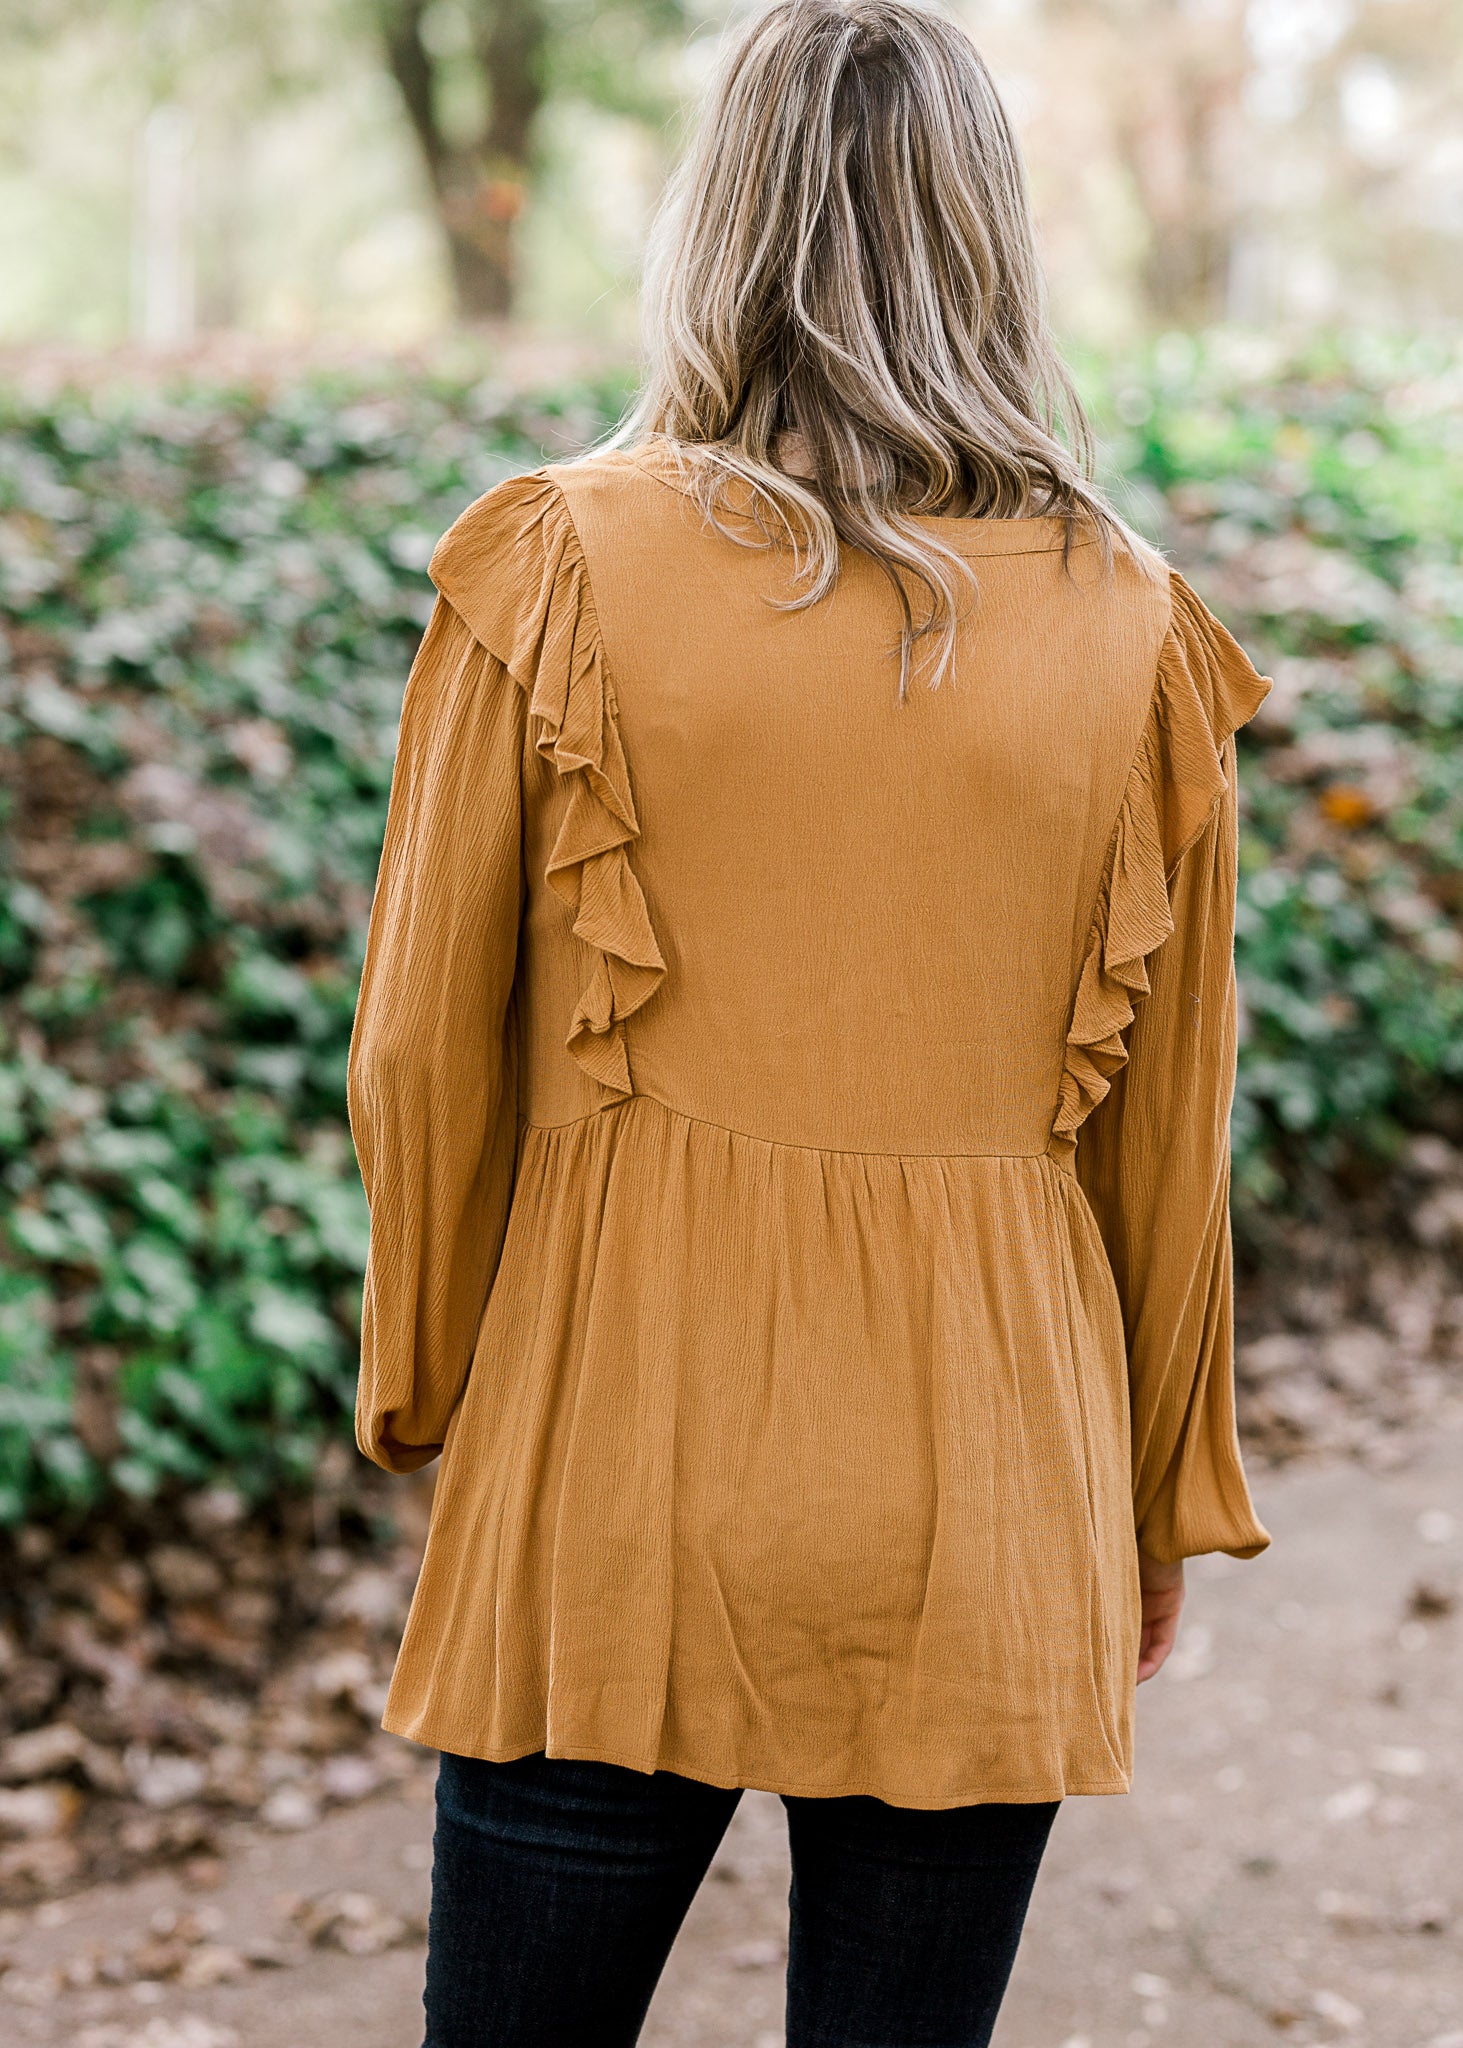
<point>791,1082</point>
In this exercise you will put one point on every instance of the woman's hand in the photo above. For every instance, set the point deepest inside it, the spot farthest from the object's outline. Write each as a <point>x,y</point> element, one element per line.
<point>1163,1600</point>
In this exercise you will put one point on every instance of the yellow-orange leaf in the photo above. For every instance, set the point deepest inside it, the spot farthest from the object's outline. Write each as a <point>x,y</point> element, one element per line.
<point>1344,804</point>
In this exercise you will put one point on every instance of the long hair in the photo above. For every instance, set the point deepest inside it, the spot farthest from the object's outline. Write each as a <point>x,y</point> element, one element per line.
<point>843,283</point>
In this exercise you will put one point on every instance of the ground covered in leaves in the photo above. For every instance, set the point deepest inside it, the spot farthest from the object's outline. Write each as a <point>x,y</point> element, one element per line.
<point>1350,1324</point>
<point>1286,1869</point>
<point>164,1671</point>
<point>168,1670</point>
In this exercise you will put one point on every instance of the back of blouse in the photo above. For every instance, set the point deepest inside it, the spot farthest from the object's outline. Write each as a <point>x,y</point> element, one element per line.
<point>795,1126</point>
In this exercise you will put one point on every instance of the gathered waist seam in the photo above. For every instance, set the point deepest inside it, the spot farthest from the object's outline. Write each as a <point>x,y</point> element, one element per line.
<point>622,1107</point>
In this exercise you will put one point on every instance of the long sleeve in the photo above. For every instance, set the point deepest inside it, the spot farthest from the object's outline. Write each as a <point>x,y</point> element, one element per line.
<point>1154,1160</point>
<point>431,1080</point>
<point>1151,1073</point>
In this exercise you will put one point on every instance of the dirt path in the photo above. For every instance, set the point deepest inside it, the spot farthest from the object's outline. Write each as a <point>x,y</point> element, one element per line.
<point>1289,1869</point>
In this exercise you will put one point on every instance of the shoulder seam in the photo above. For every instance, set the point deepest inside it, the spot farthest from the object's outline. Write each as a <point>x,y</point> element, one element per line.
<point>544,477</point>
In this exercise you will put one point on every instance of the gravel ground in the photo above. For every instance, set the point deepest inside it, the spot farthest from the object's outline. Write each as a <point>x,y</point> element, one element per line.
<point>1289,1868</point>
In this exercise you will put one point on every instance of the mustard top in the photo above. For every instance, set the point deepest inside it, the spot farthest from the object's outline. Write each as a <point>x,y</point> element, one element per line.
<point>795,1125</point>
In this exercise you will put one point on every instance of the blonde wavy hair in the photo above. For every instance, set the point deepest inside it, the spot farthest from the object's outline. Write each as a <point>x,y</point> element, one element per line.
<point>845,317</point>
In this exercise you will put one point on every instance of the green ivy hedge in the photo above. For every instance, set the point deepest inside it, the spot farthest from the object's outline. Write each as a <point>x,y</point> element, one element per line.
<point>1316,504</point>
<point>210,599</point>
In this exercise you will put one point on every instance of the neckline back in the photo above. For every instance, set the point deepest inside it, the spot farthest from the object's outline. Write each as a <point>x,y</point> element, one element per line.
<point>1039,534</point>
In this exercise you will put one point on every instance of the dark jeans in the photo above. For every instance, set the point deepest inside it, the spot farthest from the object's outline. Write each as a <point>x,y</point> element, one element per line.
<point>558,1888</point>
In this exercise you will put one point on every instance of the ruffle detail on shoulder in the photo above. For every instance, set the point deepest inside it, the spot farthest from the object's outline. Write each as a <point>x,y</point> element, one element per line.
<point>1206,687</point>
<point>512,567</point>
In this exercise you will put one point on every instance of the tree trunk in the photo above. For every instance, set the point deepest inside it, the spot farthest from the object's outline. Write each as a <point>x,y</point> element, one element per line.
<point>1175,128</point>
<point>480,189</point>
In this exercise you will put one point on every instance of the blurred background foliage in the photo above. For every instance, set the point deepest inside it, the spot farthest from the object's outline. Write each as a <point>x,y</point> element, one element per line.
<point>211,600</point>
<point>286,285</point>
<point>375,169</point>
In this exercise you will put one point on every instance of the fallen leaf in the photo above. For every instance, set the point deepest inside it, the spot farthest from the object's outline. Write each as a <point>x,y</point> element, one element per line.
<point>38,1810</point>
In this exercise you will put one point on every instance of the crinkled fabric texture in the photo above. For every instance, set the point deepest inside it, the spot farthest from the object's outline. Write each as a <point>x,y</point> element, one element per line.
<point>1174,790</point>
<point>795,1125</point>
